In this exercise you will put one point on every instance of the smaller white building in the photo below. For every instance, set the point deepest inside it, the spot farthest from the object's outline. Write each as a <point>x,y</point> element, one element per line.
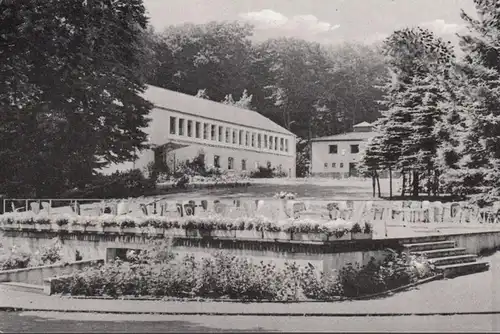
<point>336,156</point>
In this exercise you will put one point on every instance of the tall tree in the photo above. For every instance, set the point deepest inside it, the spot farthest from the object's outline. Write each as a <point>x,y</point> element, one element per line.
<point>480,143</point>
<point>82,107</point>
<point>452,131</point>
<point>418,62</point>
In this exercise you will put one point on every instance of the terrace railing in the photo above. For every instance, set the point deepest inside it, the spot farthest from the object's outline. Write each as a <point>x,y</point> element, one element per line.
<point>348,209</point>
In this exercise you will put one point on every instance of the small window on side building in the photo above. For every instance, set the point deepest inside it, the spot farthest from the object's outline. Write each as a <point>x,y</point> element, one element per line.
<point>173,125</point>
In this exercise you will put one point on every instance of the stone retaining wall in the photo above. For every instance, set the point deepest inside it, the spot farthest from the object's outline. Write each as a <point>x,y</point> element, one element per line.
<point>324,255</point>
<point>36,275</point>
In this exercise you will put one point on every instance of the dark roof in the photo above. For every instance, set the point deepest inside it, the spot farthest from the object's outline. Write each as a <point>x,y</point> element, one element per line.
<point>188,104</point>
<point>347,136</point>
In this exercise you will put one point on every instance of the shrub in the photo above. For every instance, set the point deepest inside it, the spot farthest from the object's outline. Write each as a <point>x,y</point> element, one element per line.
<point>131,183</point>
<point>196,170</point>
<point>368,228</point>
<point>157,272</point>
<point>13,259</point>
<point>357,281</point>
<point>262,173</point>
<point>47,255</point>
<point>267,172</point>
<point>395,271</point>
<point>229,276</point>
<point>320,286</point>
<point>356,228</point>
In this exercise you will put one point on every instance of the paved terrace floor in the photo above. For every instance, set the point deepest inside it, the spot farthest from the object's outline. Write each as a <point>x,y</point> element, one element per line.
<point>402,230</point>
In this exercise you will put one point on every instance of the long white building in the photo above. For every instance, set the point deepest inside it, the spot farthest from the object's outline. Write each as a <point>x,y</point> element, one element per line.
<point>183,126</point>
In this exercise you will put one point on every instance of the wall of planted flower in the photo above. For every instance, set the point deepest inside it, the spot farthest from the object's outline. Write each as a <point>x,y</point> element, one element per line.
<point>209,225</point>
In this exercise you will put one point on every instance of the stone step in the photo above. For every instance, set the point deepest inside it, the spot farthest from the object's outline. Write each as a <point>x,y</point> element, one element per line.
<point>425,246</point>
<point>454,270</point>
<point>33,288</point>
<point>443,261</point>
<point>432,254</point>
<point>418,240</point>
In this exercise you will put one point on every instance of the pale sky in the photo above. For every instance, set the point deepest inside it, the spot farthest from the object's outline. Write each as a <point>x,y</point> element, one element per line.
<point>325,21</point>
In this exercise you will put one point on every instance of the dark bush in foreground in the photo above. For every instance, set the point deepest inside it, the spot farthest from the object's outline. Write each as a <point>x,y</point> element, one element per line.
<point>225,276</point>
<point>117,185</point>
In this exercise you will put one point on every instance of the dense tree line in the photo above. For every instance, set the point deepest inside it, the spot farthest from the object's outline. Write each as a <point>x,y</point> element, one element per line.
<point>440,126</point>
<point>311,89</point>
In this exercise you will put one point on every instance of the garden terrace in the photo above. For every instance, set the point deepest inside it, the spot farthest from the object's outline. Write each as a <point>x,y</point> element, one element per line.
<point>328,232</point>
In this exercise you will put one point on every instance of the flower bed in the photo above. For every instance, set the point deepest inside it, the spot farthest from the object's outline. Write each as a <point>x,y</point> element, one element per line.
<point>210,225</point>
<point>15,258</point>
<point>223,276</point>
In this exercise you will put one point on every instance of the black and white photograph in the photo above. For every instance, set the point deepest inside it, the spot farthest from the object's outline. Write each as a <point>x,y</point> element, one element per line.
<point>249,166</point>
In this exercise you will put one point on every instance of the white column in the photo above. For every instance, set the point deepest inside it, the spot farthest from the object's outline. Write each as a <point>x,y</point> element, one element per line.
<point>222,131</point>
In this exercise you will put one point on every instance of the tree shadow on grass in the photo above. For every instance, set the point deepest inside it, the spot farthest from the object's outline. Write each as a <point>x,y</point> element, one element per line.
<point>443,199</point>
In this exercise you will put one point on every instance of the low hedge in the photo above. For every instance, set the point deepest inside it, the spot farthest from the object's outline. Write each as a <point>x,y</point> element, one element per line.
<point>230,277</point>
<point>208,222</point>
<point>121,184</point>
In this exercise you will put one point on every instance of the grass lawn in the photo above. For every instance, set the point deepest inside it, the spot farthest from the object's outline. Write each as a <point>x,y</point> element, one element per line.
<point>306,189</point>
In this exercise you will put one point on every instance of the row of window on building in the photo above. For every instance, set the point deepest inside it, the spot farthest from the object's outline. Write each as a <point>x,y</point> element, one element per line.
<point>231,163</point>
<point>334,149</point>
<point>193,129</point>
<point>334,165</point>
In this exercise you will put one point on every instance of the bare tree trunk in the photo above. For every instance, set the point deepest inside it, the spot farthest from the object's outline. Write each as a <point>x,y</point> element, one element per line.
<point>429,181</point>
<point>436,183</point>
<point>403,188</point>
<point>415,184</point>
<point>373,183</point>
<point>390,182</point>
<point>378,184</point>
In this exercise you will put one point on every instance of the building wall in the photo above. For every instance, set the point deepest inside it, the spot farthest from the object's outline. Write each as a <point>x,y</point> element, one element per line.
<point>252,159</point>
<point>320,156</point>
<point>165,128</point>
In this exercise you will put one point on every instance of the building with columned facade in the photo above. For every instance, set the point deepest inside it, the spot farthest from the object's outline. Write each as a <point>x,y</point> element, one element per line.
<point>231,138</point>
